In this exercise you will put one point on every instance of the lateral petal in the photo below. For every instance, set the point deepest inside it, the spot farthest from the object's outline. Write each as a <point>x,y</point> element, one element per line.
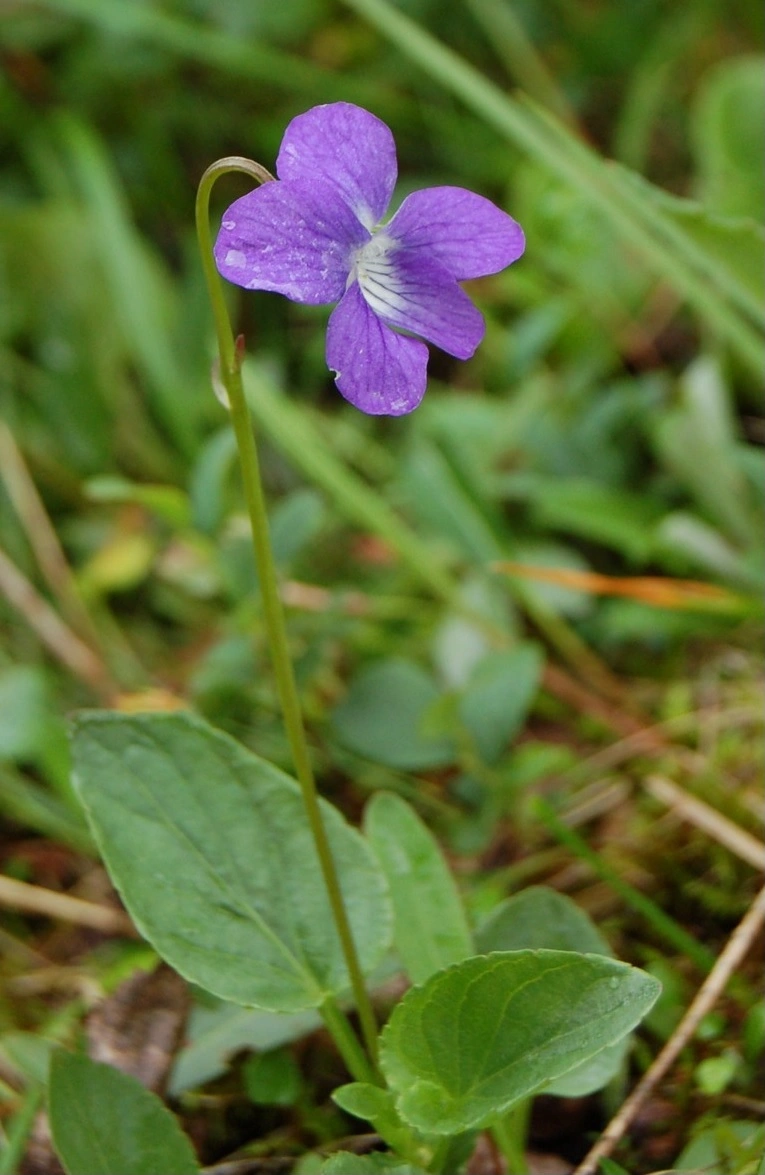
<point>294,238</point>
<point>377,370</point>
<point>346,146</point>
<point>465,232</point>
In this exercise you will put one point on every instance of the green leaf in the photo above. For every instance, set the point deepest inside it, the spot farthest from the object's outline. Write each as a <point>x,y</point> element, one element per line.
<point>23,712</point>
<point>479,1037</point>
<point>377,1106</point>
<point>696,441</point>
<point>587,508</point>
<point>211,851</point>
<point>693,539</point>
<point>725,1146</point>
<point>384,713</point>
<point>295,523</point>
<point>430,927</point>
<point>541,917</point>
<point>214,1034</point>
<point>27,1055</point>
<point>498,696</point>
<point>272,1079</point>
<point>728,136</point>
<point>106,1123</point>
<point>347,1163</point>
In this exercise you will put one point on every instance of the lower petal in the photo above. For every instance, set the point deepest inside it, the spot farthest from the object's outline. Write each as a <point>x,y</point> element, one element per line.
<point>419,295</point>
<point>377,370</point>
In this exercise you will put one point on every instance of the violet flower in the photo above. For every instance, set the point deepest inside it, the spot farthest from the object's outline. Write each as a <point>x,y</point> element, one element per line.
<point>315,235</point>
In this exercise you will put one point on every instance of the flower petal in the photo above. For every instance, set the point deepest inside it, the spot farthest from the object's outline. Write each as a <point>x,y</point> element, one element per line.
<point>410,290</point>
<point>294,238</point>
<point>346,146</point>
<point>468,234</point>
<point>381,372</point>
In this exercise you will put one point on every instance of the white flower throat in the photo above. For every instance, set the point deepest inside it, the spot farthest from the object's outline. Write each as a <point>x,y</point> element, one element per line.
<point>373,267</point>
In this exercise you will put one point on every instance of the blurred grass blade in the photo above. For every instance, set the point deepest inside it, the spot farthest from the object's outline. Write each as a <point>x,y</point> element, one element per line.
<point>31,806</point>
<point>204,43</point>
<point>141,295</point>
<point>725,250</point>
<point>507,37</point>
<point>631,205</point>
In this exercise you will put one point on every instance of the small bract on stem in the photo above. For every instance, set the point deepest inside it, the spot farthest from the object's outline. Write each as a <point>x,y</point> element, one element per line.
<point>229,375</point>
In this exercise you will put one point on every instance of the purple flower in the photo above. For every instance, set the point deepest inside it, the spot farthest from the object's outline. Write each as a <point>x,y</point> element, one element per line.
<point>315,236</point>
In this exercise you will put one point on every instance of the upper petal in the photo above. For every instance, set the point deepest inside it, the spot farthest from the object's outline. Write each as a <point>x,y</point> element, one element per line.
<point>348,147</point>
<point>468,234</point>
<point>293,238</point>
<point>409,289</point>
<point>381,372</point>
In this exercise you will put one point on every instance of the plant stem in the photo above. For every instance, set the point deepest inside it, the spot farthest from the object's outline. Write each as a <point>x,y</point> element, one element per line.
<point>510,1133</point>
<point>347,1042</point>
<point>19,1129</point>
<point>229,375</point>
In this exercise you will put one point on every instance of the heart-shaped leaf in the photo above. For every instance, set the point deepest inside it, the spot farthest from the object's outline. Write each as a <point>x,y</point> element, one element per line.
<point>542,917</point>
<point>484,1034</point>
<point>211,851</point>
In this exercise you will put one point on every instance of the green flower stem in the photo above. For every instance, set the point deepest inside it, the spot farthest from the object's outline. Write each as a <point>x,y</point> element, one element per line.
<point>440,1155</point>
<point>347,1043</point>
<point>511,1133</point>
<point>230,378</point>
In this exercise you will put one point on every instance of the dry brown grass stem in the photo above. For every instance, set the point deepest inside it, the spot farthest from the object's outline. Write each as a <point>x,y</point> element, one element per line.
<point>710,991</point>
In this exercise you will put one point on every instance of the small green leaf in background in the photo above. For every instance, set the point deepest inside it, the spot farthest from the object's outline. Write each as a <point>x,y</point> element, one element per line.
<point>430,927</point>
<point>616,518</point>
<point>728,137</point>
<point>214,1034</point>
<point>106,1123</point>
<point>726,1146</point>
<point>23,711</point>
<point>272,1079</point>
<point>211,851</point>
<point>27,1055</point>
<point>696,440</point>
<point>498,696</point>
<point>295,523</point>
<point>495,1029</point>
<point>540,917</point>
<point>383,716</point>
